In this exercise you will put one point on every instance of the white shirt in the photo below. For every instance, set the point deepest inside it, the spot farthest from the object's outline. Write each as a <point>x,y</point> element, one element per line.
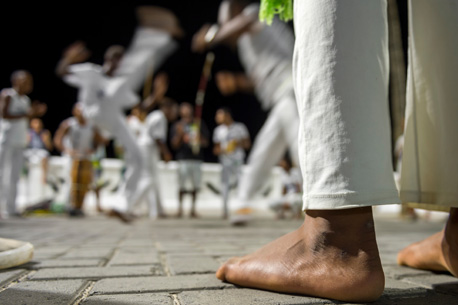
<point>135,125</point>
<point>266,54</point>
<point>14,131</point>
<point>155,128</point>
<point>80,138</point>
<point>225,135</point>
<point>102,97</point>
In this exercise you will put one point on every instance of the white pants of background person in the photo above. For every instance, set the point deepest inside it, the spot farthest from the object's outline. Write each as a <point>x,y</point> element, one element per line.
<point>230,175</point>
<point>341,82</point>
<point>149,183</point>
<point>11,163</point>
<point>278,134</point>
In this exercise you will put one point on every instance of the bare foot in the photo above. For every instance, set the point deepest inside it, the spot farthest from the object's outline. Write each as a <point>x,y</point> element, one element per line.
<point>438,252</point>
<point>332,255</point>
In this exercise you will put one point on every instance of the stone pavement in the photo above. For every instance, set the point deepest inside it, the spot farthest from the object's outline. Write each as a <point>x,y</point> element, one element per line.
<point>97,260</point>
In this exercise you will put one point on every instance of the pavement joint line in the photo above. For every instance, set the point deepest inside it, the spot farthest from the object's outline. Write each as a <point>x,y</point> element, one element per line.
<point>85,292</point>
<point>21,277</point>
<point>169,291</point>
<point>175,299</point>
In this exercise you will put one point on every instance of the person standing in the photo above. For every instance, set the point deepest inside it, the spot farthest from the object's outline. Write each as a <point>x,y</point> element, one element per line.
<point>231,139</point>
<point>16,110</point>
<point>188,138</point>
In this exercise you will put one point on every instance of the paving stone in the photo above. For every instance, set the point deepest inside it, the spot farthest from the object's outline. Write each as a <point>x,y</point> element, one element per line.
<point>395,289</point>
<point>125,258</point>
<point>159,284</point>
<point>96,272</point>
<point>399,272</point>
<point>189,265</point>
<point>245,296</point>
<point>438,282</point>
<point>9,275</point>
<point>134,299</point>
<point>58,263</point>
<point>49,292</point>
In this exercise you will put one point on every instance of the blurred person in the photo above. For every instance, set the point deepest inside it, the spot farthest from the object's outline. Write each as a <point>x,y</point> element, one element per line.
<point>291,199</point>
<point>341,82</point>
<point>266,54</point>
<point>15,109</point>
<point>39,147</point>
<point>231,139</point>
<point>152,141</point>
<point>83,137</point>
<point>105,91</point>
<point>187,135</point>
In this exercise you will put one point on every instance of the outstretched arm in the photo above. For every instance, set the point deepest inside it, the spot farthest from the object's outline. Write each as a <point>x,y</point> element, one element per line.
<point>229,83</point>
<point>231,28</point>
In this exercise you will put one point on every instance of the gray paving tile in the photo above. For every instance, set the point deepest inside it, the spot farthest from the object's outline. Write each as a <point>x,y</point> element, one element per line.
<point>438,282</point>
<point>245,296</point>
<point>88,253</point>
<point>49,292</point>
<point>127,299</point>
<point>126,258</point>
<point>158,284</point>
<point>190,265</point>
<point>9,275</point>
<point>96,272</point>
<point>399,272</point>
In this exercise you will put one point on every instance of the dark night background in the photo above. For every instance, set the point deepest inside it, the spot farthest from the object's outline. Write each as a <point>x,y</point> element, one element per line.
<point>34,35</point>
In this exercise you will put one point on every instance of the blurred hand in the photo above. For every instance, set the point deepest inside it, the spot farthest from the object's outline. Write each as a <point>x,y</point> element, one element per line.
<point>199,45</point>
<point>76,52</point>
<point>167,157</point>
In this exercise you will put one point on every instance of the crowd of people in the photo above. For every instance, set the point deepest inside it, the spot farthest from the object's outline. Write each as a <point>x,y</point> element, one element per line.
<point>326,90</point>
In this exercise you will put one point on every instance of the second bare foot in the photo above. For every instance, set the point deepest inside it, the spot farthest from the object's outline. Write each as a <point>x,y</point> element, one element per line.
<point>438,252</point>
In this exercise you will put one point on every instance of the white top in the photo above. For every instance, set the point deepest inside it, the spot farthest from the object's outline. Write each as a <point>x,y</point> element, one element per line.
<point>266,54</point>
<point>135,125</point>
<point>155,128</point>
<point>80,138</point>
<point>226,136</point>
<point>14,131</point>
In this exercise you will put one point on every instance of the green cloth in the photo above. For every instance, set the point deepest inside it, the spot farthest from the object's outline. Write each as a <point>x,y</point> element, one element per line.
<point>269,8</point>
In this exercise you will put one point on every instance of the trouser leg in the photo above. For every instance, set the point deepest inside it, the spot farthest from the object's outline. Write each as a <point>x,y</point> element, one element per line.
<point>17,161</point>
<point>134,163</point>
<point>429,165</point>
<point>341,80</point>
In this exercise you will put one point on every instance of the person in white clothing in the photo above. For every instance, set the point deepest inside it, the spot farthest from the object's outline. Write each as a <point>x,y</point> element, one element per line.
<point>105,91</point>
<point>266,54</point>
<point>231,139</point>
<point>152,141</point>
<point>291,199</point>
<point>15,109</point>
<point>341,80</point>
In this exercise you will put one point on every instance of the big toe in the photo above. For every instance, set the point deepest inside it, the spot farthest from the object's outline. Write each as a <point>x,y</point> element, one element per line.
<point>222,272</point>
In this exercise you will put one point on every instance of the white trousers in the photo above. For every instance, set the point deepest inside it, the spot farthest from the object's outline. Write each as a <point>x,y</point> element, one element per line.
<point>133,158</point>
<point>341,81</point>
<point>148,185</point>
<point>11,162</point>
<point>278,133</point>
